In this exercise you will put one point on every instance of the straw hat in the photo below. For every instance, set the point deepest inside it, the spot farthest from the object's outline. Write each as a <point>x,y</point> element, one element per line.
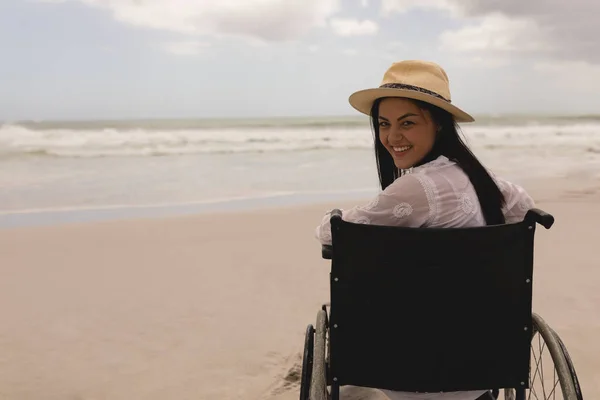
<point>419,80</point>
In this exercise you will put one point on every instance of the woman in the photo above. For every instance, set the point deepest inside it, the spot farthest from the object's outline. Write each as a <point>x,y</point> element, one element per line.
<point>428,176</point>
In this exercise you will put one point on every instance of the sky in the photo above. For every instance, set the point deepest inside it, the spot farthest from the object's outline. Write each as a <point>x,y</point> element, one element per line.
<point>121,59</point>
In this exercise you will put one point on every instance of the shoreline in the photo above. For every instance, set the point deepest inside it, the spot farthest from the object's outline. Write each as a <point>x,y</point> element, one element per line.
<point>69,215</point>
<point>541,189</point>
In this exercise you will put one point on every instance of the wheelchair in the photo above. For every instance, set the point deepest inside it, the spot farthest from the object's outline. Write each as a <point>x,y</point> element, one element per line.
<point>434,310</point>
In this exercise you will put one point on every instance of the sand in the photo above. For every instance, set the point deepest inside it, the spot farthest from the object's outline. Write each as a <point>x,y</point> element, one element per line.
<point>215,306</point>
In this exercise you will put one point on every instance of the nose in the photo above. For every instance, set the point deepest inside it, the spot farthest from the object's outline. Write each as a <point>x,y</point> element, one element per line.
<point>395,136</point>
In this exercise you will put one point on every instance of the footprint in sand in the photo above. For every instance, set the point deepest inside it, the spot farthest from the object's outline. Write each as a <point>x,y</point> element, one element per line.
<point>290,382</point>
<point>291,378</point>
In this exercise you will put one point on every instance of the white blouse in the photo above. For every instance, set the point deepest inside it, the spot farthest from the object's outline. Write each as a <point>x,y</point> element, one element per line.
<point>436,194</point>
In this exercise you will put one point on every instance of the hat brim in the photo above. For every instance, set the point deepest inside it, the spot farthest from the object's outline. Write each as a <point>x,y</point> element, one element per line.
<point>363,101</point>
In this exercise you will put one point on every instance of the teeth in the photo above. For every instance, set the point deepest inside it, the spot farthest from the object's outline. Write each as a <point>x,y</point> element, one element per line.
<point>403,148</point>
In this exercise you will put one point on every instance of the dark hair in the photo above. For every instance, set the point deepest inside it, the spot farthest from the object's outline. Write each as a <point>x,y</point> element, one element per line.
<point>448,143</point>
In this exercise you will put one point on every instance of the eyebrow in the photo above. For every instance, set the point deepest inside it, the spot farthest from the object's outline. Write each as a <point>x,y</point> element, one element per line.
<point>402,117</point>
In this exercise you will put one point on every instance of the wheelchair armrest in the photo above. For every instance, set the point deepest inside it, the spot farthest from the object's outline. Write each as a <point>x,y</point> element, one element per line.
<point>327,251</point>
<point>541,217</point>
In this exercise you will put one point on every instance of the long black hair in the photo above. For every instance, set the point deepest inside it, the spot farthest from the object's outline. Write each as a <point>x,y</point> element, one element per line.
<point>448,143</point>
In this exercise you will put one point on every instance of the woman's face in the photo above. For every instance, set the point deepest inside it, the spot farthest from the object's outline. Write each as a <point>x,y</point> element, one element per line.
<point>405,130</point>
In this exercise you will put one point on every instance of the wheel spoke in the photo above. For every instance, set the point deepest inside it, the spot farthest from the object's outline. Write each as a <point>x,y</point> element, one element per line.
<point>532,391</point>
<point>536,393</point>
<point>537,365</point>
<point>542,365</point>
<point>553,392</point>
<point>555,382</point>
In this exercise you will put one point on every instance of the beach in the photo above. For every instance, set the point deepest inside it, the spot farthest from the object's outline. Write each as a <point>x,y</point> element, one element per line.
<point>216,305</point>
<point>166,167</point>
<point>148,260</point>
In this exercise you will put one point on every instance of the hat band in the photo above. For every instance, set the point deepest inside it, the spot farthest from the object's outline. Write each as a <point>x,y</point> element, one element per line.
<point>414,88</point>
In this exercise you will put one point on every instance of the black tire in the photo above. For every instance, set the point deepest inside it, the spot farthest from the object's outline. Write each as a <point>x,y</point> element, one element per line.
<point>307,363</point>
<point>318,385</point>
<point>570,365</point>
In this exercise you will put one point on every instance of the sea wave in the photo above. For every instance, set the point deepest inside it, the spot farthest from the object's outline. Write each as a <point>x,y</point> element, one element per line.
<point>19,140</point>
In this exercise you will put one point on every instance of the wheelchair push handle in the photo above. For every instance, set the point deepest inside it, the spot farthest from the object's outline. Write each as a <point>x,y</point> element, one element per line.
<point>335,213</point>
<point>327,250</point>
<point>536,215</point>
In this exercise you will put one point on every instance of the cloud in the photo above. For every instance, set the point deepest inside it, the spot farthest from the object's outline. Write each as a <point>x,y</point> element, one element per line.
<point>350,52</point>
<point>396,44</point>
<point>389,7</point>
<point>186,48</point>
<point>569,28</point>
<point>353,27</point>
<point>498,33</point>
<point>487,62</point>
<point>579,75</point>
<point>268,20</point>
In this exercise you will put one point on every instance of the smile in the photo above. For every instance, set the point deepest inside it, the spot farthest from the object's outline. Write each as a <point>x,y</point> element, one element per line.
<point>401,149</point>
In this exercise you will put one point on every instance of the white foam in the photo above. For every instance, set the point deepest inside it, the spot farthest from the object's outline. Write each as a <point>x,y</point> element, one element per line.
<point>18,140</point>
<point>15,139</point>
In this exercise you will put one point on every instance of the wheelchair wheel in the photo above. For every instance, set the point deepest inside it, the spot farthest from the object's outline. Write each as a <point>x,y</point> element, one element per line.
<point>307,363</point>
<point>551,375</point>
<point>318,385</point>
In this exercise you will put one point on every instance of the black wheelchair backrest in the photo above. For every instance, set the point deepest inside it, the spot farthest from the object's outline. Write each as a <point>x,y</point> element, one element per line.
<point>429,309</point>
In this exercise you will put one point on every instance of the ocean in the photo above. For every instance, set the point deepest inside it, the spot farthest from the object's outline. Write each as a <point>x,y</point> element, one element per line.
<point>52,172</point>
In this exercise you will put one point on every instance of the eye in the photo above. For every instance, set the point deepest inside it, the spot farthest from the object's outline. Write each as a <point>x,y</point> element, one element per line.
<point>384,124</point>
<point>407,123</point>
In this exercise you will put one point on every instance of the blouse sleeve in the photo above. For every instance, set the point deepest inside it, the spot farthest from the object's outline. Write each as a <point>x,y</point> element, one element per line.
<point>518,201</point>
<point>403,203</point>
